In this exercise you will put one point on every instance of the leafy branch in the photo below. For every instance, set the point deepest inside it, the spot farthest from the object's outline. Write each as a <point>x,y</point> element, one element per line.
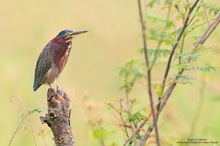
<point>182,66</point>
<point>211,27</point>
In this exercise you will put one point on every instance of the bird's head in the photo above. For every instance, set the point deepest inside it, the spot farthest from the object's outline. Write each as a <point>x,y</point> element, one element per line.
<point>69,34</point>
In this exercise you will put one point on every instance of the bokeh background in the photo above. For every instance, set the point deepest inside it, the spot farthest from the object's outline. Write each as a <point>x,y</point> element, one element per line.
<point>91,75</point>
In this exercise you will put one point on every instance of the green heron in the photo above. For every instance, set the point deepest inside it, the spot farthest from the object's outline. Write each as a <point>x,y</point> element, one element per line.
<point>53,58</point>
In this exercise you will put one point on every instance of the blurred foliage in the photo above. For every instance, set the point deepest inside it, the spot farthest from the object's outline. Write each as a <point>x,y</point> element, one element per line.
<point>133,70</point>
<point>89,77</point>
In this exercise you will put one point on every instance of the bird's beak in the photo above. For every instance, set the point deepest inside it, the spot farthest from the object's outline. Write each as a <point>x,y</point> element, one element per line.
<point>78,32</point>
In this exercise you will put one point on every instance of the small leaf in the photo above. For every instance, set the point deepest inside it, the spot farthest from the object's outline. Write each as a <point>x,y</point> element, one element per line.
<point>100,133</point>
<point>136,117</point>
<point>133,70</point>
<point>39,110</point>
<point>182,66</point>
<point>184,79</point>
<point>160,91</point>
<point>159,52</point>
<point>205,69</point>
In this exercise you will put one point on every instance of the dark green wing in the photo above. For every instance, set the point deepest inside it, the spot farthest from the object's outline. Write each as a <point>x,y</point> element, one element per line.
<point>44,64</point>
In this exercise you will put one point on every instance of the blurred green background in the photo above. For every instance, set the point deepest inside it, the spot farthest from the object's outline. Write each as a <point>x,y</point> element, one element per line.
<point>91,77</point>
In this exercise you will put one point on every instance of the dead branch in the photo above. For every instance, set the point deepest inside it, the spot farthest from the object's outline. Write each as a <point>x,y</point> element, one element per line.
<point>58,117</point>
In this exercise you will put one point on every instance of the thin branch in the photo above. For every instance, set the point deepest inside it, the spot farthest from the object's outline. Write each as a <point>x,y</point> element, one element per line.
<point>217,21</point>
<point>129,107</point>
<point>168,92</point>
<point>167,95</point>
<point>101,136</point>
<point>148,72</point>
<point>191,20</point>
<point>206,34</point>
<point>174,49</point>
<point>162,104</point>
<point>137,130</point>
<point>206,15</point>
<point>42,135</point>
<point>177,43</point>
<point>120,113</point>
<point>181,49</point>
<point>198,110</point>
<point>146,135</point>
<point>212,26</point>
<point>19,125</point>
<point>29,121</point>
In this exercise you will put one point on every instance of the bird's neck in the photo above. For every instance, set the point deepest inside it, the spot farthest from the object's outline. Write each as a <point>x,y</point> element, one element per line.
<point>61,52</point>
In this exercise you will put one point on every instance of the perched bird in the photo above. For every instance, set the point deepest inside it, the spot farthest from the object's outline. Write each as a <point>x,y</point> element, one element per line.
<point>53,58</point>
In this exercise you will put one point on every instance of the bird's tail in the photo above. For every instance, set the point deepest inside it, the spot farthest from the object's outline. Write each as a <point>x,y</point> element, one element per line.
<point>36,85</point>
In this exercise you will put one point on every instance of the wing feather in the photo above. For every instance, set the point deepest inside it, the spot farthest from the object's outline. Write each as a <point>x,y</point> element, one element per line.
<point>44,64</point>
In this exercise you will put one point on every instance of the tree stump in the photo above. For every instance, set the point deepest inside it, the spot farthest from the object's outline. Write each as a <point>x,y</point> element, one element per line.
<point>58,117</point>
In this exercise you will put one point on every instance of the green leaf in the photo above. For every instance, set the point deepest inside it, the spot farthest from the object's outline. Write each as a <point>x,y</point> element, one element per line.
<point>159,52</point>
<point>182,66</point>
<point>164,37</point>
<point>183,79</point>
<point>157,18</point>
<point>194,27</point>
<point>216,11</point>
<point>205,69</point>
<point>136,117</point>
<point>160,91</point>
<point>38,110</point>
<point>133,70</point>
<point>100,133</point>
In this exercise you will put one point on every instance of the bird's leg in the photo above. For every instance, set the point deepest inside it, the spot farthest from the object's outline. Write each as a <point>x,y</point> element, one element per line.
<point>50,86</point>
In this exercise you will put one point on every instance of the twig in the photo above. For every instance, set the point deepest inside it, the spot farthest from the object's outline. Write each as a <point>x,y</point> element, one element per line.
<point>200,41</point>
<point>42,135</point>
<point>163,103</point>
<point>206,15</point>
<point>206,34</point>
<point>167,95</point>
<point>181,49</point>
<point>120,113</point>
<point>101,136</point>
<point>213,27</point>
<point>148,73</point>
<point>129,108</point>
<point>137,130</point>
<point>191,20</point>
<point>145,137</point>
<point>173,85</point>
<point>29,121</point>
<point>198,110</point>
<point>174,49</point>
<point>177,43</point>
<point>18,128</point>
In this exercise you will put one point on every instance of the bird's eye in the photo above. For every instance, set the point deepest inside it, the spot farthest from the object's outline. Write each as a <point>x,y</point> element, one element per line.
<point>66,33</point>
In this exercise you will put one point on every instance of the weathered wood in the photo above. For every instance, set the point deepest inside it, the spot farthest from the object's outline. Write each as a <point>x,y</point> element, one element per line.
<point>58,117</point>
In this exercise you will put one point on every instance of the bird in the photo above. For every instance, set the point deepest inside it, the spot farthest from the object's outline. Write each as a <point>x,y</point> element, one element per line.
<point>53,58</point>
